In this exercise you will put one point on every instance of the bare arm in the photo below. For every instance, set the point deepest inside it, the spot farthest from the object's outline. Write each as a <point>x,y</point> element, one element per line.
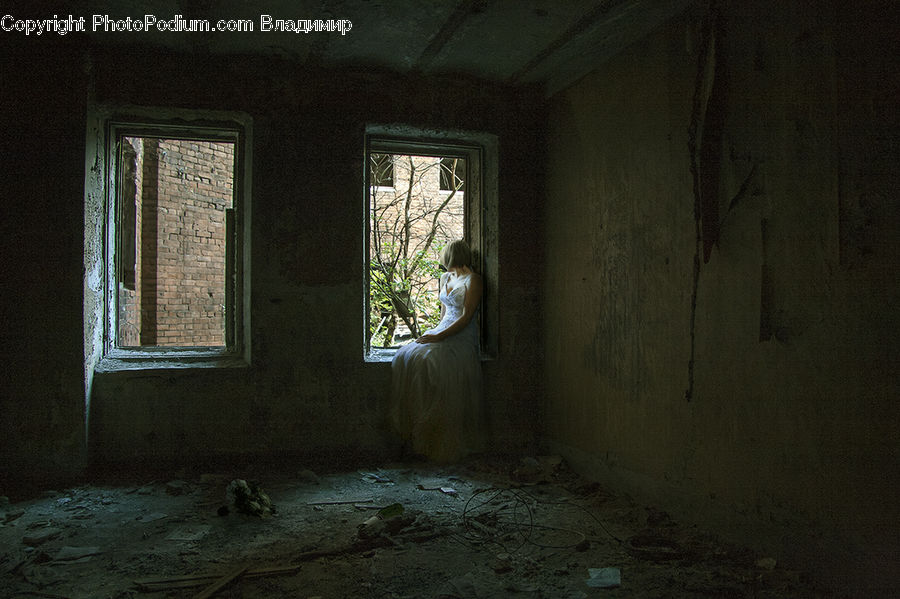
<point>441,284</point>
<point>470,304</point>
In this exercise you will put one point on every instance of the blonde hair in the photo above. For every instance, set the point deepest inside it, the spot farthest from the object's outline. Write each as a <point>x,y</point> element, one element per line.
<point>456,253</point>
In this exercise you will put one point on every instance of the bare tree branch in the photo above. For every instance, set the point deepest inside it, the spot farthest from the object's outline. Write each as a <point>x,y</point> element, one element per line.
<point>404,227</point>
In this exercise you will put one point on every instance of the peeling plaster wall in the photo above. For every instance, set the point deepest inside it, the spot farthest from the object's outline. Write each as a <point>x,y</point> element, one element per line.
<point>756,393</point>
<point>307,391</point>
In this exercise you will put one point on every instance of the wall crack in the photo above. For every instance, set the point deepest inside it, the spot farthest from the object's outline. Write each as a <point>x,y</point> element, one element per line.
<point>706,70</point>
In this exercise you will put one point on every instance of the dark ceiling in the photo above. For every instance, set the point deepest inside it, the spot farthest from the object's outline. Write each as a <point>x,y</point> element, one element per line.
<point>550,43</point>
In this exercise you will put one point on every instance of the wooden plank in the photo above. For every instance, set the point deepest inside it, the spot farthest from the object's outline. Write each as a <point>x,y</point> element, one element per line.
<point>341,502</point>
<point>196,580</point>
<point>221,583</point>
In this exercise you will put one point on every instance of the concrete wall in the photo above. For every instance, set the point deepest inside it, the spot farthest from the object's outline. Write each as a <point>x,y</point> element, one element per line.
<point>754,392</point>
<point>42,385</point>
<point>307,391</point>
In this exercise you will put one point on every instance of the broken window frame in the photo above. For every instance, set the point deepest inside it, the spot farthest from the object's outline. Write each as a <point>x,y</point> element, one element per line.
<point>479,150</point>
<point>235,351</point>
<point>445,173</point>
<point>383,181</point>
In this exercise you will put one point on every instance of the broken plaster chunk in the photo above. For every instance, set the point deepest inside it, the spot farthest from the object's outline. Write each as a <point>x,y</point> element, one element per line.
<point>68,553</point>
<point>152,517</point>
<point>41,536</point>
<point>189,533</point>
<point>13,515</point>
<point>445,490</point>
<point>604,578</point>
<point>371,528</point>
<point>374,477</point>
<point>391,520</point>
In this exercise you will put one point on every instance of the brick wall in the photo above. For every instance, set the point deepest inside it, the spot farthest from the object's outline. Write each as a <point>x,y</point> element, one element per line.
<point>186,186</point>
<point>427,196</point>
<point>426,175</point>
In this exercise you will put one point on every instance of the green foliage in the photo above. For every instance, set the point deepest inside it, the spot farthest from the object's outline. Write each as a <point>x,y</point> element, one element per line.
<point>422,301</point>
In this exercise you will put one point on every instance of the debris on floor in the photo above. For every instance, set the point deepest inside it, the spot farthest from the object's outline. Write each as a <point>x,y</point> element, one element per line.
<point>604,578</point>
<point>248,498</point>
<point>445,490</point>
<point>491,528</point>
<point>41,535</point>
<point>375,477</point>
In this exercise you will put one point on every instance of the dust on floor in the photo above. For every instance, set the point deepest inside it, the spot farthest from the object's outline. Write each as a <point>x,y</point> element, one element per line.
<point>490,528</point>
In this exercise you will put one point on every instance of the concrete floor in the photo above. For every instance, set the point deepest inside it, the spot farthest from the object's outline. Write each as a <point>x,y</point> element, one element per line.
<point>498,527</point>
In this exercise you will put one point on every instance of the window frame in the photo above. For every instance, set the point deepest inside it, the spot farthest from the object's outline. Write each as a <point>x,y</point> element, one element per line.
<point>480,153</point>
<point>382,187</point>
<point>184,125</point>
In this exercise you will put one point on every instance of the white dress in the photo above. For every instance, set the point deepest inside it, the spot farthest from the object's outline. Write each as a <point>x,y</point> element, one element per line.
<point>436,388</point>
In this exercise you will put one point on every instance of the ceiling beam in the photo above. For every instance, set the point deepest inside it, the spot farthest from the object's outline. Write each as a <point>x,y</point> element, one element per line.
<point>600,34</point>
<point>446,32</point>
<point>585,23</point>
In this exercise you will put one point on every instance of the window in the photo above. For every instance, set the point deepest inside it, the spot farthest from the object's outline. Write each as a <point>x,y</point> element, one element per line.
<point>176,232</point>
<point>453,174</point>
<point>381,171</point>
<point>409,226</point>
<point>437,193</point>
<point>174,197</point>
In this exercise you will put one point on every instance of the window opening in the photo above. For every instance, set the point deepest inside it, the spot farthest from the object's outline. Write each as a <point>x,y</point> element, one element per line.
<point>382,170</point>
<point>453,174</point>
<point>175,197</point>
<point>409,225</point>
<point>444,186</point>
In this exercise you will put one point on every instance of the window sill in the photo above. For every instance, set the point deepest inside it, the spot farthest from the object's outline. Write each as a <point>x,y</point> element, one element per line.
<point>174,359</point>
<point>380,355</point>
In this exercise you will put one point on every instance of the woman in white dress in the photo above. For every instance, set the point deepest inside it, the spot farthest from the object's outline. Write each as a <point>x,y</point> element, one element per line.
<point>436,381</point>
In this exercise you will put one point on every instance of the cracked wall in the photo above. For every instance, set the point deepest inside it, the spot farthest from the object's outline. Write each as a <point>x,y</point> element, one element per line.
<point>706,232</point>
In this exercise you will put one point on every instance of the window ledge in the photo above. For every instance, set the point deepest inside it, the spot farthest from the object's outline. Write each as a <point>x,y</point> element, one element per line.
<point>122,360</point>
<point>380,355</point>
<point>376,355</point>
